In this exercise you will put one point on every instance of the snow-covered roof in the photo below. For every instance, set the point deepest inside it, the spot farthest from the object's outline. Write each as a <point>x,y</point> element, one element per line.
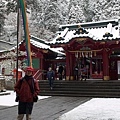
<point>94,30</point>
<point>45,46</point>
<point>39,43</point>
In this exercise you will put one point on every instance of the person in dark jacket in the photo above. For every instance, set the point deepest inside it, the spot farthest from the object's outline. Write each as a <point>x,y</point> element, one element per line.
<point>60,71</point>
<point>26,88</point>
<point>76,72</point>
<point>83,73</point>
<point>50,77</point>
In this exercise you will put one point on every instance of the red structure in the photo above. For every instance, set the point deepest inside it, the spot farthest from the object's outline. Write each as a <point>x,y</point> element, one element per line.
<point>42,56</point>
<point>94,45</point>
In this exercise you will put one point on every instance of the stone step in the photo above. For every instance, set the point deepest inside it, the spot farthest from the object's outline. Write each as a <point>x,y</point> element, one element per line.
<point>82,88</point>
<point>80,95</point>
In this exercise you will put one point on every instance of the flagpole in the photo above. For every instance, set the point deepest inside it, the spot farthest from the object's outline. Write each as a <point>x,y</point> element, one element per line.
<point>18,14</point>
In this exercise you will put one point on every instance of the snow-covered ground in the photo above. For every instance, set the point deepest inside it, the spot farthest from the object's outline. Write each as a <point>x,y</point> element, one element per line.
<point>9,100</point>
<point>95,109</point>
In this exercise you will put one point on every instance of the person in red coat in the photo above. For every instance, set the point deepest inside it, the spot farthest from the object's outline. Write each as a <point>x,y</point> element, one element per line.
<point>26,88</point>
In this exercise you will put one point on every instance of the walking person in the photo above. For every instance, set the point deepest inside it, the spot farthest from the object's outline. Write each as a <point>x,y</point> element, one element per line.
<point>60,71</point>
<point>50,77</point>
<point>76,72</point>
<point>83,73</point>
<point>27,89</point>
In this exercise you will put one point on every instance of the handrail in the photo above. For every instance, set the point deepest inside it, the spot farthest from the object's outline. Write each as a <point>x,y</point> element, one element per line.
<point>39,75</point>
<point>36,73</point>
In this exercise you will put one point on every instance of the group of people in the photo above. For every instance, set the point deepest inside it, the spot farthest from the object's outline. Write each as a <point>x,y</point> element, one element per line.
<point>60,72</point>
<point>51,74</point>
<point>27,89</point>
<point>80,73</point>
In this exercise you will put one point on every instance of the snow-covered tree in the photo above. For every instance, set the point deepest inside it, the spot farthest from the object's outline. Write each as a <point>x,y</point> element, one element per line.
<point>6,7</point>
<point>44,16</point>
<point>2,17</point>
<point>107,9</point>
<point>87,7</point>
<point>75,12</point>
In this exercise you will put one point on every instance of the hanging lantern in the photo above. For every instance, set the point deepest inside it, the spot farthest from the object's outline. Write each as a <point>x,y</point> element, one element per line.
<point>95,53</point>
<point>80,54</point>
<point>76,55</point>
<point>91,54</point>
<point>117,42</point>
<point>86,55</point>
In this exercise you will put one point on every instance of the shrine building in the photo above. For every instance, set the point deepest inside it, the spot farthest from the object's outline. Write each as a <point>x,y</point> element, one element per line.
<point>94,45</point>
<point>43,57</point>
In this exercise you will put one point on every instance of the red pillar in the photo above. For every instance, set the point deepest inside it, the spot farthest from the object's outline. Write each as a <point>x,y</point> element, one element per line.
<point>41,66</point>
<point>90,68</point>
<point>67,66</point>
<point>42,63</point>
<point>105,65</point>
<point>71,66</point>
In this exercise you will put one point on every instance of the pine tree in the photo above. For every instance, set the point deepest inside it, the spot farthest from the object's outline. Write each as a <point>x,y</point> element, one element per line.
<point>2,17</point>
<point>107,9</point>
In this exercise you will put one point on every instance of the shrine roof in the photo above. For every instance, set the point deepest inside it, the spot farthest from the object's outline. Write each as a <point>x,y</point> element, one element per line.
<point>37,39</point>
<point>101,30</point>
<point>5,45</point>
<point>39,43</point>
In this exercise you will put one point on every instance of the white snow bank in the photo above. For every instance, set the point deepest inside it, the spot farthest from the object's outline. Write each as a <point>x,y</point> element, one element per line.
<point>95,109</point>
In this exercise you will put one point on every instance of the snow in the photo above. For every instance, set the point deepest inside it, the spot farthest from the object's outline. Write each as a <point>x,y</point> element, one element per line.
<point>93,28</point>
<point>9,100</point>
<point>94,109</point>
<point>93,33</point>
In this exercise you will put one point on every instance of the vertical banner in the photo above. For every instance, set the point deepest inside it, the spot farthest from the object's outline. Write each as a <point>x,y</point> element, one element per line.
<point>19,25</point>
<point>26,31</point>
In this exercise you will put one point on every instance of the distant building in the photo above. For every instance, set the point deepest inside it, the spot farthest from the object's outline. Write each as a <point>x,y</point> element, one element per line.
<point>42,54</point>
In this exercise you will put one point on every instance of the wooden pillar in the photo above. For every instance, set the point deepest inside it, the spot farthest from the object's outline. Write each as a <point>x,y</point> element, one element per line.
<point>90,68</point>
<point>42,63</point>
<point>71,66</point>
<point>41,66</point>
<point>105,65</point>
<point>40,56</point>
<point>67,66</point>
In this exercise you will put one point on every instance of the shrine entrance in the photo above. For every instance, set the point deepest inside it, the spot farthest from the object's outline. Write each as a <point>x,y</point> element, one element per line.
<point>94,58</point>
<point>91,67</point>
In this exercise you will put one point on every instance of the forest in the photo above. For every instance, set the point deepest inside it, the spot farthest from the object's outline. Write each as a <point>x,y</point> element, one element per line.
<point>45,16</point>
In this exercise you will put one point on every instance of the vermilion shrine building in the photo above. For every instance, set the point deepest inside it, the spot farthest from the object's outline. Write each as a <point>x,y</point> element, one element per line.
<point>95,45</point>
